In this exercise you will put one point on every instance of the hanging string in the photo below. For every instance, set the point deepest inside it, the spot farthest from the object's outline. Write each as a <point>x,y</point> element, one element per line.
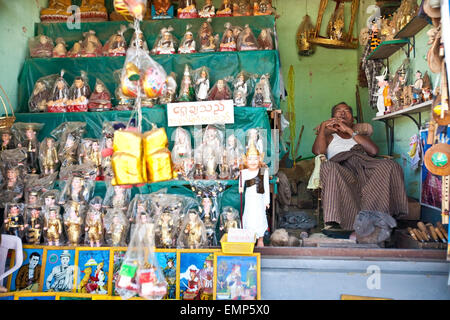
<point>138,100</point>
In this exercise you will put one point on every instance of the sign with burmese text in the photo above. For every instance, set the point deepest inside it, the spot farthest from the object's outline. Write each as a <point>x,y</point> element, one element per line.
<point>200,113</point>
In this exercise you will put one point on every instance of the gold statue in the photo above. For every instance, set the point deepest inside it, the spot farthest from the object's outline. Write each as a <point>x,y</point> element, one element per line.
<point>53,226</point>
<point>72,221</point>
<point>165,228</point>
<point>336,24</point>
<point>193,232</point>
<point>94,224</point>
<point>49,156</point>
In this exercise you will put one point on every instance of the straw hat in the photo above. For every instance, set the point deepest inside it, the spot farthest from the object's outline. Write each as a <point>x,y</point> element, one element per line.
<point>431,9</point>
<point>437,159</point>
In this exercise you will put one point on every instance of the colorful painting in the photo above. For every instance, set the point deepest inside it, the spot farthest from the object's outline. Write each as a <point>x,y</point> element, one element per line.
<point>93,265</point>
<point>59,270</point>
<point>237,277</point>
<point>431,186</point>
<point>28,277</point>
<point>168,263</point>
<point>196,274</point>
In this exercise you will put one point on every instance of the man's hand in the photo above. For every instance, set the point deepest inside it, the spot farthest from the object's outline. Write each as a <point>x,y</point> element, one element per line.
<point>328,126</point>
<point>342,127</point>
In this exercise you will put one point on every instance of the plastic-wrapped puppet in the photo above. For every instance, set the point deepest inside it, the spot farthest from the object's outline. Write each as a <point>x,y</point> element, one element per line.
<point>90,153</point>
<point>75,51</point>
<point>28,133</point>
<point>254,137</point>
<point>254,181</point>
<point>169,94</point>
<point>187,9</point>
<point>117,197</point>
<point>34,224</point>
<point>60,49</point>
<point>162,9</point>
<point>208,10</point>
<point>166,228</point>
<point>383,102</point>
<point>264,40</point>
<point>14,222</point>
<point>225,10</point>
<point>91,46</point>
<point>417,88</point>
<point>106,147</point>
<point>187,91</point>
<point>41,47</point>
<point>165,43</point>
<point>116,46</point>
<point>247,40</point>
<point>50,198</point>
<point>201,83</point>
<point>141,42</point>
<point>220,91</point>
<point>193,233</point>
<point>53,226</point>
<point>208,42</point>
<point>210,151</point>
<point>263,93</point>
<point>100,99</point>
<point>187,43</point>
<point>262,7</point>
<point>48,156</point>
<point>59,96</point>
<point>242,86</point>
<point>234,153</point>
<point>116,227</point>
<point>41,94</point>
<point>12,163</point>
<point>79,94</point>
<point>228,42</point>
<point>182,157</point>
<point>93,224</point>
<point>73,221</point>
<point>229,218</point>
<point>426,88</point>
<point>7,139</point>
<point>69,136</point>
<point>138,206</point>
<point>242,8</point>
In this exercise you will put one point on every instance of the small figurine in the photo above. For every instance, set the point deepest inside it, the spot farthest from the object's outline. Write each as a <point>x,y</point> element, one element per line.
<point>255,179</point>
<point>240,90</point>
<point>41,47</point>
<point>417,88</point>
<point>201,83</point>
<point>383,101</point>
<point>263,94</point>
<point>116,227</point>
<point>93,11</point>
<point>229,219</point>
<point>138,206</point>
<point>91,45</point>
<point>166,225</point>
<point>262,8</point>
<point>100,99</point>
<point>265,39</point>
<point>59,95</point>
<point>186,87</point>
<point>138,36</point>
<point>208,10</point>
<point>32,199</point>
<point>7,139</point>
<point>48,156</point>
<point>208,42</point>
<point>68,153</point>
<point>187,9</point>
<point>182,154</point>
<point>13,222</point>
<point>93,223</point>
<point>60,51</point>
<point>209,222</point>
<point>224,168</point>
<point>162,9</point>
<point>116,46</point>
<point>12,188</point>
<point>426,88</point>
<point>193,231</point>
<point>90,153</point>
<point>169,94</point>
<point>75,52</point>
<point>247,40</point>
<point>117,197</point>
<point>166,43</point>
<point>254,138</point>
<point>234,153</point>
<point>79,94</point>
<point>72,222</point>
<point>77,189</point>
<point>220,91</point>
<point>107,151</point>
<point>53,226</point>
<point>50,199</point>
<point>225,10</point>
<point>228,42</point>
<point>39,97</point>
<point>242,8</point>
<point>30,142</point>
<point>34,225</point>
<point>187,44</point>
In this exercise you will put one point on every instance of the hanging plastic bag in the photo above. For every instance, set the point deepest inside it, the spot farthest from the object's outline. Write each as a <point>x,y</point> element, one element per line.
<point>165,43</point>
<point>100,99</point>
<point>41,47</point>
<point>304,33</point>
<point>41,93</point>
<point>247,40</point>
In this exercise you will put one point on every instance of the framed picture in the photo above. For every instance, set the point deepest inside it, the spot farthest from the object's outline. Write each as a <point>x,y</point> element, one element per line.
<point>35,296</point>
<point>167,260</point>
<point>60,270</point>
<point>431,185</point>
<point>28,277</point>
<point>93,265</point>
<point>237,277</point>
<point>195,274</point>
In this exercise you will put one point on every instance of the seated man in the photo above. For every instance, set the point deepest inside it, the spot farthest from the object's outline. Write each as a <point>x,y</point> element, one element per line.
<point>352,179</point>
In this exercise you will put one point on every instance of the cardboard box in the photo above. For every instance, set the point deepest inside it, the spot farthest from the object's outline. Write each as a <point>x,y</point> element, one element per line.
<point>413,210</point>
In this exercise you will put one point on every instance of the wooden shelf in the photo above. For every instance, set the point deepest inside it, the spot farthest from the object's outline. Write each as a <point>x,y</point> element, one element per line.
<point>412,28</point>
<point>424,106</point>
<point>387,49</point>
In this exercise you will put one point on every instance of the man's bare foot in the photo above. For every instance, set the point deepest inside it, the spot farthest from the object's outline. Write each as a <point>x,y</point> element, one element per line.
<point>260,242</point>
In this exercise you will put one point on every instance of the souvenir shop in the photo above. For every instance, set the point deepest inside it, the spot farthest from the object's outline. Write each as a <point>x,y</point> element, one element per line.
<point>209,149</point>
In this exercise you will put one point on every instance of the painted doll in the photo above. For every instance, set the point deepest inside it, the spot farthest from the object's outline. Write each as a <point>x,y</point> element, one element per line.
<point>48,156</point>
<point>75,51</point>
<point>166,42</point>
<point>60,50</point>
<point>193,231</point>
<point>79,94</point>
<point>201,85</point>
<point>187,44</point>
<point>187,92</point>
<point>34,225</point>
<point>72,222</point>
<point>229,219</point>
<point>220,91</point>
<point>116,46</point>
<point>41,47</point>
<point>247,40</point>
<point>94,223</point>
<point>59,96</point>
<point>7,140</point>
<point>228,42</point>
<point>265,39</point>
<point>53,226</point>
<point>182,154</point>
<point>100,99</point>
<point>208,10</point>
<point>208,42</point>
<point>13,223</point>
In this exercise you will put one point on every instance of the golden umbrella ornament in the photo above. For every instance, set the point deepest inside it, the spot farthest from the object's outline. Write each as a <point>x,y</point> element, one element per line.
<point>131,9</point>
